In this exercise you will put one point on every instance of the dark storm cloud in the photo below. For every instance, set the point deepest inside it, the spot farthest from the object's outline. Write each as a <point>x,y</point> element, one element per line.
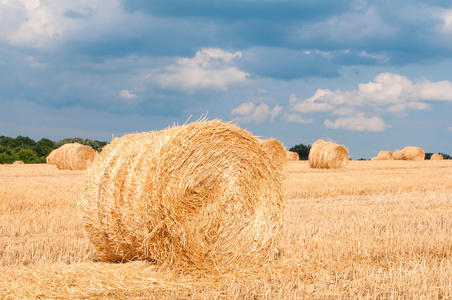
<point>235,10</point>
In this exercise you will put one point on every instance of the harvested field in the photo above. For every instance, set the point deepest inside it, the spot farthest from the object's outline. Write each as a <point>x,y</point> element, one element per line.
<point>376,229</point>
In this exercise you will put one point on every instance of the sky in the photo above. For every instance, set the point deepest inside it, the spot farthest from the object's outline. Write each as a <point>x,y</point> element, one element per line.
<point>370,75</point>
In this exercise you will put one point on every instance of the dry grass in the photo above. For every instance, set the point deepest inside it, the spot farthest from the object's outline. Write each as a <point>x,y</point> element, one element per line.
<point>377,229</point>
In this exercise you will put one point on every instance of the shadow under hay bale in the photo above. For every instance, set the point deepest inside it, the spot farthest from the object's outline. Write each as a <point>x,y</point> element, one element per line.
<point>203,196</point>
<point>327,155</point>
<point>385,155</point>
<point>276,151</point>
<point>292,156</point>
<point>72,156</point>
<point>413,153</point>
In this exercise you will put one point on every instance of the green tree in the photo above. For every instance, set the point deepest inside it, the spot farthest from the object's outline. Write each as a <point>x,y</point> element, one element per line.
<point>428,155</point>
<point>7,141</point>
<point>96,145</point>
<point>43,147</point>
<point>28,156</point>
<point>24,142</point>
<point>302,150</point>
<point>4,158</point>
<point>445,156</point>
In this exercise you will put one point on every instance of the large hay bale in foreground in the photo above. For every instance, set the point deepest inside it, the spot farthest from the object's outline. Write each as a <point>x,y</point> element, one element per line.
<point>398,155</point>
<point>327,155</point>
<point>385,155</point>
<point>18,162</point>
<point>436,157</point>
<point>292,155</point>
<point>203,195</point>
<point>276,151</point>
<point>413,153</point>
<point>72,156</point>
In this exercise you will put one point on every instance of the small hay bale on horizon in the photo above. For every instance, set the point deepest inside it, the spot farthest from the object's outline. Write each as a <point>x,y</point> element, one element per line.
<point>72,156</point>
<point>398,155</point>
<point>202,196</point>
<point>385,155</point>
<point>437,157</point>
<point>413,153</point>
<point>18,162</point>
<point>374,158</point>
<point>276,151</point>
<point>328,155</point>
<point>292,156</point>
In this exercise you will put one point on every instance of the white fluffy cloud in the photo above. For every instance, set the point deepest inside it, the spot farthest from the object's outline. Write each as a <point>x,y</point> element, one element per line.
<point>249,112</point>
<point>126,94</point>
<point>34,63</point>
<point>311,104</point>
<point>358,123</point>
<point>446,17</point>
<point>344,111</point>
<point>37,23</point>
<point>394,92</point>
<point>294,118</point>
<point>210,69</point>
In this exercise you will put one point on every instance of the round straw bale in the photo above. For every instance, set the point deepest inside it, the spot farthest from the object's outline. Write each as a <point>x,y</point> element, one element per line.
<point>292,155</point>
<point>398,155</point>
<point>374,158</point>
<point>413,153</point>
<point>203,195</point>
<point>80,156</point>
<point>327,155</point>
<point>18,162</point>
<point>436,157</point>
<point>50,159</point>
<point>72,156</point>
<point>276,151</point>
<point>385,155</point>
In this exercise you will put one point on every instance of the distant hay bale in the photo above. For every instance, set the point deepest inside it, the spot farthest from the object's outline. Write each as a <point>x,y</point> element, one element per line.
<point>276,151</point>
<point>374,158</point>
<point>292,155</point>
<point>327,155</point>
<point>50,159</point>
<point>398,155</point>
<point>72,156</point>
<point>385,155</point>
<point>18,162</point>
<point>203,195</point>
<point>413,153</point>
<point>436,157</point>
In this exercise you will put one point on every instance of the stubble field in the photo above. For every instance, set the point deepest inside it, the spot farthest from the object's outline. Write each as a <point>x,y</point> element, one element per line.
<point>377,229</point>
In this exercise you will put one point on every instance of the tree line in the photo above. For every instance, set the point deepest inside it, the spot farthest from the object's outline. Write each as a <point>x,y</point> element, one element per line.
<point>31,152</point>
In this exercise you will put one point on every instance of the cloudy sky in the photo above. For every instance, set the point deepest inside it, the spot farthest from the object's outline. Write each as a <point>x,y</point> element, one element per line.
<point>371,75</point>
